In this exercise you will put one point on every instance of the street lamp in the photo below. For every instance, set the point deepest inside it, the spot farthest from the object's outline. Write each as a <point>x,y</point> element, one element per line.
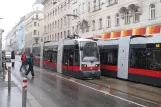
<point>79,26</point>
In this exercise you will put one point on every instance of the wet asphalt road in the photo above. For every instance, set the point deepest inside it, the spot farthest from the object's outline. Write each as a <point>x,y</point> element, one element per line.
<point>52,90</point>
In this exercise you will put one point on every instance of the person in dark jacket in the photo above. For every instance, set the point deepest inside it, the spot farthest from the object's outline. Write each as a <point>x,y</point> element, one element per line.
<point>30,62</point>
<point>13,58</point>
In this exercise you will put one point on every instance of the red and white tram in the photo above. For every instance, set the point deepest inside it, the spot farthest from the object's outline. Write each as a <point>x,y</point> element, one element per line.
<point>136,58</point>
<point>75,57</point>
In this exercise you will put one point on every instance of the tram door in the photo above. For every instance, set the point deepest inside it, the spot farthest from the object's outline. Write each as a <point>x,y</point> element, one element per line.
<point>70,60</point>
<point>123,58</point>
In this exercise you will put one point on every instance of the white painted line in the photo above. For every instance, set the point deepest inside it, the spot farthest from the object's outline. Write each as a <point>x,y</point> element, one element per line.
<point>72,80</point>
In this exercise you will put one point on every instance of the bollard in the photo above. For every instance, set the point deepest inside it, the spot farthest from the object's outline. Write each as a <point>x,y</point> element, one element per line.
<point>24,92</point>
<point>9,78</point>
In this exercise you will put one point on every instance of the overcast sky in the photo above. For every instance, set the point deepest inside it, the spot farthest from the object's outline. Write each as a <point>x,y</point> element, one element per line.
<point>11,11</point>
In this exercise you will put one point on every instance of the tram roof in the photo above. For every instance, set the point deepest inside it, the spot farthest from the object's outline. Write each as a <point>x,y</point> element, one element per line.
<point>50,43</point>
<point>82,39</point>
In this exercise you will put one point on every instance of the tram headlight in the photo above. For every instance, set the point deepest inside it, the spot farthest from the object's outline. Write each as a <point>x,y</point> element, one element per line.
<point>97,65</point>
<point>84,65</point>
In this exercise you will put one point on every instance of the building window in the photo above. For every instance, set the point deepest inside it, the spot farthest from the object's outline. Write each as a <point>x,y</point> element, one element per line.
<point>74,12</point>
<point>152,11</point>
<point>61,35</point>
<point>52,36</point>
<point>45,28</point>
<point>99,4</point>
<point>73,29</point>
<point>35,23</point>
<point>65,6</point>
<point>55,24</point>
<point>108,22</point>
<point>61,22</point>
<point>64,20</point>
<point>50,27</point>
<point>58,23</point>
<point>68,20</point>
<point>34,32</point>
<point>53,13</point>
<point>64,34</point>
<point>94,4</point>
<point>100,23</point>
<point>117,20</point>
<point>37,17</point>
<point>136,16</point>
<point>58,36</point>
<point>127,18</point>
<point>68,32</point>
<point>93,25</point>
<point>79,9</point>
<point>89,7</point>
<point>83,7</point>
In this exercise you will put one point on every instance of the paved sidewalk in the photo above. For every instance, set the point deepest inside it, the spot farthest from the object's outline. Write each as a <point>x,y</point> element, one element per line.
<point>13,98</point>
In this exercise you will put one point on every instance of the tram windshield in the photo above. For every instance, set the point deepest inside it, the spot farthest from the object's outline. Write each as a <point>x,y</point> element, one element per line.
<point>89,51</point>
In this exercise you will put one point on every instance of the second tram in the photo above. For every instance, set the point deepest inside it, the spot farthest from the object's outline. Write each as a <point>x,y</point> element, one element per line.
<point>135,58</point>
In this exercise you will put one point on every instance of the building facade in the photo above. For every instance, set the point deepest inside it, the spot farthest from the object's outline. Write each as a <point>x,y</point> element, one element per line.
<point>103,16</point>
<point>15,38</point>
<point>33,21</point>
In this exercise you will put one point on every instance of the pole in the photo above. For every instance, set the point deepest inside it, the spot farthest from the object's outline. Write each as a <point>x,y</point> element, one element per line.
<point>9,78</point>
<point>24,92</point>
<point>3,70</point>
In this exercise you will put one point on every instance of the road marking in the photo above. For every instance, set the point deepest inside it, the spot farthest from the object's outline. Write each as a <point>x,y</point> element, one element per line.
<point>73,80</point>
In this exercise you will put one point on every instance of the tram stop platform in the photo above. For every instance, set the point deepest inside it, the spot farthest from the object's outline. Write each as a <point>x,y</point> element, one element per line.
<point>150,93</point>
<point>13,98</point>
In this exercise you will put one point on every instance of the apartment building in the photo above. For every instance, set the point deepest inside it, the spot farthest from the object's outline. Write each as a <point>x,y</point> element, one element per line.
<point>102,16</point>
<point>32,25</point>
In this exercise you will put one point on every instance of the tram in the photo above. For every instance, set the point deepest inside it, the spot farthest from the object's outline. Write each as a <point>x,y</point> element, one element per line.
<point>135,58</point>
<point>75,57</point>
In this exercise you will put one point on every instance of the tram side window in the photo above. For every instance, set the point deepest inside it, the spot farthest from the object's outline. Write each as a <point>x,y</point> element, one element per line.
<point>76,57</point>
<point>54,56</point>
<point>103,56</point>
<point>112,56</point>
<point>154,59</point>
<point>45,53</point>
<point>138,58</point>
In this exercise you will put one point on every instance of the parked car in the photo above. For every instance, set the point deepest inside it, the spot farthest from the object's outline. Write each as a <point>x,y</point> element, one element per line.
<point>8,56</point>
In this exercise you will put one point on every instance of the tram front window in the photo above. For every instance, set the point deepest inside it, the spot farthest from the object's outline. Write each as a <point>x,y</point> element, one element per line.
<point>89,51</point>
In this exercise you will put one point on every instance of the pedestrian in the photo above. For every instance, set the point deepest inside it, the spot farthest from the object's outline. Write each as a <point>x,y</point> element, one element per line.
<point>4,59</point>
<point>30,62</point>
<point>13,58</point>
<point>23,60</point>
